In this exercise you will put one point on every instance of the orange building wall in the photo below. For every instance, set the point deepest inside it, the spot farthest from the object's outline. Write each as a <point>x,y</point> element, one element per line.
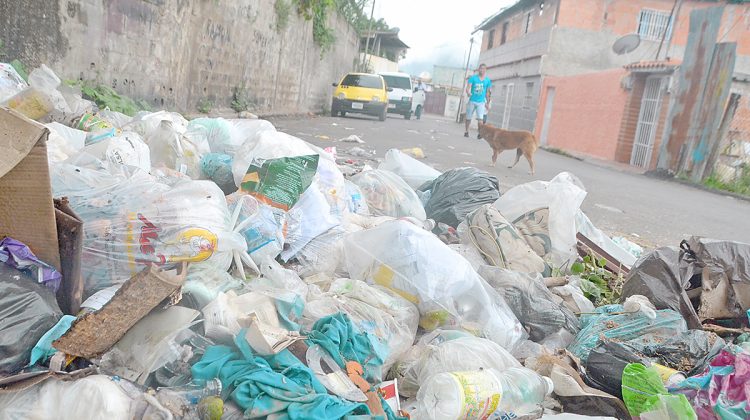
<point>586,113</point>
<point>621,17</point>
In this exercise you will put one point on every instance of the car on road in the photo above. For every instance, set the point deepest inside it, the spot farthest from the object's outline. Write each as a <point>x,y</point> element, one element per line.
<point>360,93</point>
<point>400,93</point>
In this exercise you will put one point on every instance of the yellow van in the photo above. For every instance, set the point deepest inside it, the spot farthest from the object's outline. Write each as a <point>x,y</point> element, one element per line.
<point>360,93</point>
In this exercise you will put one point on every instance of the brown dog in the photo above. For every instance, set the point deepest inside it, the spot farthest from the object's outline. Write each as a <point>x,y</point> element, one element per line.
<point>501,140</point>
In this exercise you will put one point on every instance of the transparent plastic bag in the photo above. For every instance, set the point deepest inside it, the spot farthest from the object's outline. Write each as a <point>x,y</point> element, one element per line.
<point>63,141</point>
<point>324,254</point>
<point>227,136</point>
<point>309,218</point>
<point>10,82</point>
<point>541,312</point>
<point>373,309</point>
<point>261,225</point>
<point>418,266</point>
<point>545,213</point>
<point>125,149</point>
<point>633,329</point>
<point>388,195</point>
<point>132,221</point>
<point>92,397</point>
<point>412,171</point>
<point>171,148</point>
<point>218,168</point>
<point>438,353</point>
<point>356,202</point>
<point>266,145</point>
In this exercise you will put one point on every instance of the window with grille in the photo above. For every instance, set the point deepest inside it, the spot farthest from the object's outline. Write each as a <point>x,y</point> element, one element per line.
<point>654,24</point>
<point>528,96</point>
<point>491,40</point>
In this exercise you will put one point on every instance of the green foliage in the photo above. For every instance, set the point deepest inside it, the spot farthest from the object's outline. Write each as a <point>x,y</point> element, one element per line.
<point>240,102</point>
<point>283,9</point>
<point>740,186</point>
<point>106,97</point>
<point>20,69</point>
<point>597,283</point>
<point>204,106</point>
<point>317,11</point>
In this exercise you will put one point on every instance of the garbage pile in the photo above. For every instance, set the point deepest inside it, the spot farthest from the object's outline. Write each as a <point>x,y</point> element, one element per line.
<point>220,269</point>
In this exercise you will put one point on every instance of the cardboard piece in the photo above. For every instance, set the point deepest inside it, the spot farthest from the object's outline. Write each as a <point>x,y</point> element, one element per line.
<point>70,236</point>
<point>27,213</point>
<point>94,333</point>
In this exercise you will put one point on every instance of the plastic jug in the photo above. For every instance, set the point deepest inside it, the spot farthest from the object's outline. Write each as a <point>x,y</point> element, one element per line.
<point>482,394</point>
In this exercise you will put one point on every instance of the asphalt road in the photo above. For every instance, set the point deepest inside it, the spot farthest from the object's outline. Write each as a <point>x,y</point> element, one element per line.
<point>652,212</point>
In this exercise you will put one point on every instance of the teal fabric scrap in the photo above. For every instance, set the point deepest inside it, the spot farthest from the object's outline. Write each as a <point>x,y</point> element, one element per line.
<point>43,349</point>
<point>344,342</point>
<point>277,385</point>
<point>289,312</point>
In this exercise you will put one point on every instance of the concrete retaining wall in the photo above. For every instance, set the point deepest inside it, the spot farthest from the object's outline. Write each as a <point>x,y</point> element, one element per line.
<point>178,53</point>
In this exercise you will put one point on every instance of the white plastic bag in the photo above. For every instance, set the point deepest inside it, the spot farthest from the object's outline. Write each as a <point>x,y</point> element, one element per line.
<point>125,149</point>
<point>545,214</point>
<point>418,266</point>
<point>388,195</point>
<point>412,171</point>
<point>63,141</point>
<point>435,353</point>
<point>372,309</point>
<point>267,144</point>
<point>92,397</point>
<point>587,229</point>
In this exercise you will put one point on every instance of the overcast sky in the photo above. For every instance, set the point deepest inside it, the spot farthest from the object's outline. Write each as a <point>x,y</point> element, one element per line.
<point>437,31</point>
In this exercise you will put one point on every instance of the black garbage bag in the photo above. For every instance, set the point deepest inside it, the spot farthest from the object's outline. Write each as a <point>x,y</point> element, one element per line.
<point>719,271</point>
<point>605,365</point>
<point>689,352</point>
<point>539,310</point>
<point>27,311</point>
<point>458,192</point>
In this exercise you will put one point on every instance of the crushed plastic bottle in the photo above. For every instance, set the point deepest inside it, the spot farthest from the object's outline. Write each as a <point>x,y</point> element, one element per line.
<point>482,394</point>
<point>184,400</point>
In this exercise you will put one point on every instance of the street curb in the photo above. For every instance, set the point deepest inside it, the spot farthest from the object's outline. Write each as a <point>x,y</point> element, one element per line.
<point>670,178</point>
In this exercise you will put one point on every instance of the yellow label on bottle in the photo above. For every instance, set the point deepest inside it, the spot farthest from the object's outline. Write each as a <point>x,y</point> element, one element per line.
<point>481,396</point>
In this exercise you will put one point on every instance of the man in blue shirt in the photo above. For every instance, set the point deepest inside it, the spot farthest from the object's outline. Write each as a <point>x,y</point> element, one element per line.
<point>478,89</point>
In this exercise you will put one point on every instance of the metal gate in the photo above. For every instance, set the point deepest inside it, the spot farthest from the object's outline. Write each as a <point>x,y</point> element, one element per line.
<point>508,107</point>
<point>648,119</point>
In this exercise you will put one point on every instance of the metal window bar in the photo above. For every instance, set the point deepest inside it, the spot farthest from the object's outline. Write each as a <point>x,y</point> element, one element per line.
<point>652,24</point>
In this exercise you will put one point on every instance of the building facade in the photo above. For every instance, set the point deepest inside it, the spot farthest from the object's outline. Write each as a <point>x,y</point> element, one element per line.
<point>534,40</point>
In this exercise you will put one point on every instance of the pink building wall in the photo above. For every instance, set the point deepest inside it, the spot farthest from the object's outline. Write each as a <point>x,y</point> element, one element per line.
<point>586,112</point>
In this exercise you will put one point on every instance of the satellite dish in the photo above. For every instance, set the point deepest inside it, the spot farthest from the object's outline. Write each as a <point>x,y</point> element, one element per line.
<point>626,44</point>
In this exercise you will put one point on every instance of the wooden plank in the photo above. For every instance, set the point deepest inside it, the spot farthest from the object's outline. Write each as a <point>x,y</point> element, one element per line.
<point>92,334</point>
<point>687,100</point>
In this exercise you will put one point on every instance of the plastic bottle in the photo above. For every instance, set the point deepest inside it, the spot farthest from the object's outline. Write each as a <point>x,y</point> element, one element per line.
<point>482,394</point>
<point>185,398</point>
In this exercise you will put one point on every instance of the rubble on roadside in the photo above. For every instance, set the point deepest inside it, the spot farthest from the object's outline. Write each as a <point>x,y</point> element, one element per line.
<point>220,269</point>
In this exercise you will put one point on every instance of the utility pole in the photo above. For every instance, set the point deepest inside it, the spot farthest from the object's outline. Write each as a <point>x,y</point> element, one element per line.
<point>466,76</point>
<point>365,60</point>
<point>676,9</point>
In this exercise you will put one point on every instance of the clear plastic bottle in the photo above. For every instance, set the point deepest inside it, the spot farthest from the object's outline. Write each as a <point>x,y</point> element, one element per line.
<point>482,394</point>
<point>185,398</point>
